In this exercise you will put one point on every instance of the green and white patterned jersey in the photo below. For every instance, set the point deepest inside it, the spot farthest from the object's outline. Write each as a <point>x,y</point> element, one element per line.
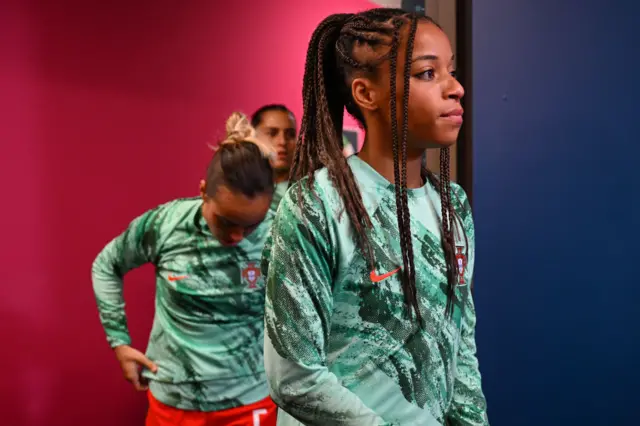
<point>340,347</point>
<point>278,193</point>
<point>207,335</point>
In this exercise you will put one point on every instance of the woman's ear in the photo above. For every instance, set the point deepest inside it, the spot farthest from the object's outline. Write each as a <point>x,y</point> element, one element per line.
<point>203,189</point>
<point>365,94</point>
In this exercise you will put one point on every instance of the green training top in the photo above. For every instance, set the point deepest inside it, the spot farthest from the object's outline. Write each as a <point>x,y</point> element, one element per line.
<point>340,347</point>
<point>207,335</point>
<point>278,193</point>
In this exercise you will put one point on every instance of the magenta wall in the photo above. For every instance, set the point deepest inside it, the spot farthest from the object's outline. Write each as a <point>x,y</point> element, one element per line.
<point>106,109</point>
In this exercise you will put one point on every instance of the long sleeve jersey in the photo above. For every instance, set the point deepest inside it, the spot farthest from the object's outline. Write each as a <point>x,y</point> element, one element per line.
<point>278,193</point>
<point>340,345</point>
<point>207,334</point>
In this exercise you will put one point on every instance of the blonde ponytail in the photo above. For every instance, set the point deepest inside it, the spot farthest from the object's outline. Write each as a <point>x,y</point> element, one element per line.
<point>239,130</point>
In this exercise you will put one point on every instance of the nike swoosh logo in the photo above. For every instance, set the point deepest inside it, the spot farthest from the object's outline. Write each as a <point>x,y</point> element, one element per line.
<point>176,277</point>
<point>377,278</point>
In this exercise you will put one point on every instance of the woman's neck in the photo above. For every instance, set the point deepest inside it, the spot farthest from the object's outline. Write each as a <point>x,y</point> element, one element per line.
<point>281,176</point>
<point>380,157</point>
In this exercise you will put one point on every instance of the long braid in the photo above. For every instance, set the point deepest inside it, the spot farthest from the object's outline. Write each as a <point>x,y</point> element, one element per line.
<point>397,160</point>
<point>448,242</point>
<point>400,177</point>
<point>405,228</point>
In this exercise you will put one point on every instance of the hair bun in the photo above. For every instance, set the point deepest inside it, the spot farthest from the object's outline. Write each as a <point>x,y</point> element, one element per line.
<point>239,128</point>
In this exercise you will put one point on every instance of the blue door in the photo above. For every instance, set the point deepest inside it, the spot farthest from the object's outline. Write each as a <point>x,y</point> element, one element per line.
<point>556,153</point>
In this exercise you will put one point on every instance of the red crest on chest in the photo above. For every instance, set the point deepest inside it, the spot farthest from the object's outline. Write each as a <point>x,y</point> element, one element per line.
<point>461,260</point>
<point>251,274</point>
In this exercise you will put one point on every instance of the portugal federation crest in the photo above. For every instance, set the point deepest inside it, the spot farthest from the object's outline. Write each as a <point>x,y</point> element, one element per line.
<point>461,260</point>
<point>250,275</point>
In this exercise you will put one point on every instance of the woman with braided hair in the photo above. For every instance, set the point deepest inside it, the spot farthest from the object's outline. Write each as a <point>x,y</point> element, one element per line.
<point>204,360</point>
<point>369,314</point>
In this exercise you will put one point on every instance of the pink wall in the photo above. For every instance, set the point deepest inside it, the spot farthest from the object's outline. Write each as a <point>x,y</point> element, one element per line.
<point>106,109</point>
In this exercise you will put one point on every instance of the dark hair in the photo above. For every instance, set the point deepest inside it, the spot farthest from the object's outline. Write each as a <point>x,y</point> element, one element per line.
<point>240,162</point>
<point>330,67</point>
<point>256,118</point>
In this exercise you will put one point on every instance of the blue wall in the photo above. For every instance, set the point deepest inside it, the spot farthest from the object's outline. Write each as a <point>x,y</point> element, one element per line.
<point>556,147</point>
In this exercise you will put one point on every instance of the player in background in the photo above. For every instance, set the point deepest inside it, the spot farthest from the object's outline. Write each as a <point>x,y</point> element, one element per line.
<point>276,124</point>
<point>204,360</point>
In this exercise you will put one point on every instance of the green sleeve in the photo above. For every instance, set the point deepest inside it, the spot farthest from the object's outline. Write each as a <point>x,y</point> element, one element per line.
<point>278,193</point>
<point>131,249</point>
<point>469,404</point>
<point>298,310</point>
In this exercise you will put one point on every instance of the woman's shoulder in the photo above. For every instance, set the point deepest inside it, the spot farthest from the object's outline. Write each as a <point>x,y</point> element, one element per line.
<point>312,195</point>
<point>460,199</point>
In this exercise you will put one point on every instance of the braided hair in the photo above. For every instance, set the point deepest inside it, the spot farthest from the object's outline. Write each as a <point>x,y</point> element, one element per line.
<point>340,49</point>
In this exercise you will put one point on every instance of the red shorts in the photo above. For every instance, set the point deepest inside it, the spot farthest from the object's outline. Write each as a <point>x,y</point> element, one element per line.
<point>261,413</point>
